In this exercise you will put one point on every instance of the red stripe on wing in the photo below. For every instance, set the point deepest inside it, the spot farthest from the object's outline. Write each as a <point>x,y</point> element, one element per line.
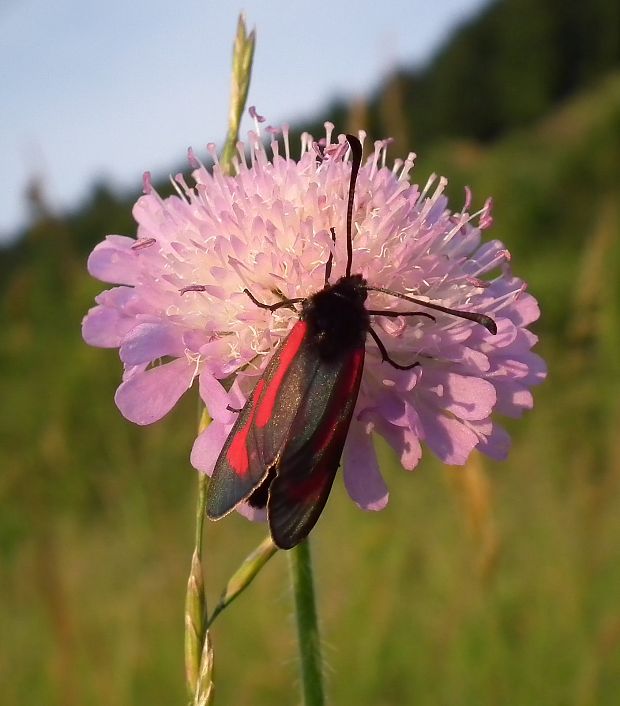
<point>330,426</point>
<point>237,454</point>
<point>286,357</point>
<point>334,428</point>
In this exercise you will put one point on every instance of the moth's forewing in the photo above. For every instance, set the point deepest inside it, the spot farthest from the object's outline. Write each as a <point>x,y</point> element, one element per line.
<point>261,428</point>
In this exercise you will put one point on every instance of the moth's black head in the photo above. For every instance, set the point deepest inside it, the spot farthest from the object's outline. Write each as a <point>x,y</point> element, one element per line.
<point>337,317</point>
<point>352,287</point>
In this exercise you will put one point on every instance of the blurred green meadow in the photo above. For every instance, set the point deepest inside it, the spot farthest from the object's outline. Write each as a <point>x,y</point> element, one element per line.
<point>494,584</point>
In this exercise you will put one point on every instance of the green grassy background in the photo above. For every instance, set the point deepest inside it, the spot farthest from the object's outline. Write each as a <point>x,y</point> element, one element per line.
<point>494,584</point>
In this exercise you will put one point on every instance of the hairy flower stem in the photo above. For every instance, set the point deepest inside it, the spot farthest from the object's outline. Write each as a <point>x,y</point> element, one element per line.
<point>307,625</point>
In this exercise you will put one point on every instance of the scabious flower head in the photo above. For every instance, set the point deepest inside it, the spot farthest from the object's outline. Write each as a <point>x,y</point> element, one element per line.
<point>267,228</point>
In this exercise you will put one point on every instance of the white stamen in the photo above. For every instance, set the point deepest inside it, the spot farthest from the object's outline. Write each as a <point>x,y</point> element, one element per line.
<point>177,188</point>
<point>286,144</point>
<point>195,358</point>
<point>329,128</point>
<point>427,186</point>
<point>407,166</point>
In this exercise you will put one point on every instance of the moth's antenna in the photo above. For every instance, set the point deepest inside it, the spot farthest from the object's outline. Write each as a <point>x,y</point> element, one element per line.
<point>356,160</point>
<point>482,319</point>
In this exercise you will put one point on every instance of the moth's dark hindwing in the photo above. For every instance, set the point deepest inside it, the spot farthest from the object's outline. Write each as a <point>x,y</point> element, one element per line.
<point>311,454</point>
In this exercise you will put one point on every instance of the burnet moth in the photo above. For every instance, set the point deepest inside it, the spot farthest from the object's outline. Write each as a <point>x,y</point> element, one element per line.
<point>284,449</point>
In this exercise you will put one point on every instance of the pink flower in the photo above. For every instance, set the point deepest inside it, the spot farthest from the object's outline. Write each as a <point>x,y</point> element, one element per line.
<point>267,229</point>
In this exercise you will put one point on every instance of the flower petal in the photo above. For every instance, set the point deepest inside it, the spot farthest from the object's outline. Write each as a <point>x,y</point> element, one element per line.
<point>513,399</point>
<point>525,310</point>
<point>255,514</point>
<point>114,261</point>
<point>466,397</point>
<point>495,445</point>
<point>215,397</point>
<point>149,395</point>
<point>208,445</point>
<point>404,441</point>
<point>450,440</point>
<point>362,477</point>
<point>147,342</point>
<point>105,327</point>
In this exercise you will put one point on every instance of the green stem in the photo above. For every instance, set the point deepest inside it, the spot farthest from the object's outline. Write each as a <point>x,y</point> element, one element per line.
<point>307,626</point>
<point>203,483</point>
<point>195,599</point>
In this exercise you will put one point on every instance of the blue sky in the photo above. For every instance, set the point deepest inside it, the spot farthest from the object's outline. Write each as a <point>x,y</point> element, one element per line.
<point>107,90</point>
